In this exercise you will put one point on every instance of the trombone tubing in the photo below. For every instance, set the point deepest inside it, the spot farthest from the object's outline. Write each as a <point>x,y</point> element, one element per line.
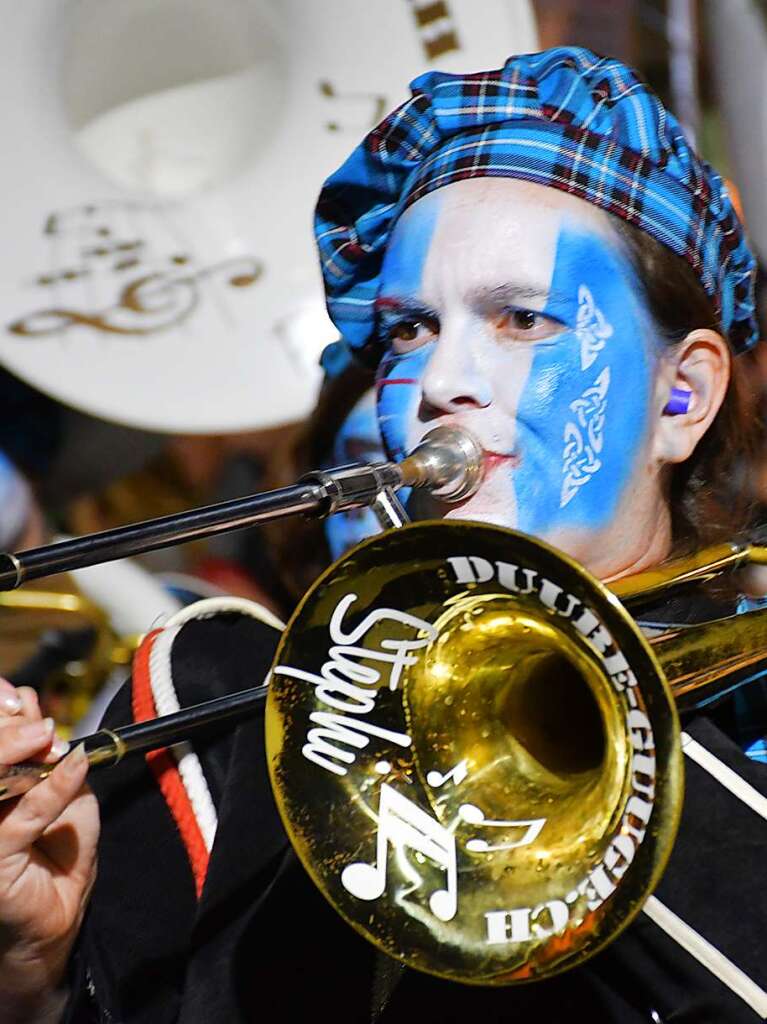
<point>319,493</point>
<point>165,531</point>
<point>449,462</point>
<point>109,746</point>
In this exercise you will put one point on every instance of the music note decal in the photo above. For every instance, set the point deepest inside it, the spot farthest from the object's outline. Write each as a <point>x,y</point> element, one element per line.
<point>91,218</point>
<point>356,104</point>
<point>128,264</point>
<point>436,27</point>
<point>68,274</point>
<point>112,249</point>
<point>128,285</point>
<point>397,771</point>
<point>402,824</point>
<point>456,775</point>
<point>472,815</point>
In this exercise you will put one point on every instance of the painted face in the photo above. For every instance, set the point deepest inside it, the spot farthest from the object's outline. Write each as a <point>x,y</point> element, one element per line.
<point>358,440</point>
<point>511,309</point>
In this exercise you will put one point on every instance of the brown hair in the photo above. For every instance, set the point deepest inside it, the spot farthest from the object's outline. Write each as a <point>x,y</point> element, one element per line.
<point>708,495</point>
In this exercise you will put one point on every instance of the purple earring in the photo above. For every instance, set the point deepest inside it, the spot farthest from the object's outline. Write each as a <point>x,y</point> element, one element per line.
<point>679,402</point>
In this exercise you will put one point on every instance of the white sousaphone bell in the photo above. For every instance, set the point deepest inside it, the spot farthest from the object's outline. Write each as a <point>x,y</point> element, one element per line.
<point>162,162</point>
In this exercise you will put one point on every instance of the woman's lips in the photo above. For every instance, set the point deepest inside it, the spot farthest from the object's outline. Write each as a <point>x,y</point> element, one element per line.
<point>385,382</point>
<point>493,460</point>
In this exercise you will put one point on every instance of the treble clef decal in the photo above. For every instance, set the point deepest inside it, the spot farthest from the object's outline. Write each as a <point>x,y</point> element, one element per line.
<point>147,304</point>
<point>124,268</point>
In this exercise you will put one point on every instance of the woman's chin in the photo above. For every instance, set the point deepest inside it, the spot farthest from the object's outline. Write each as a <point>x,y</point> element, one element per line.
<point>478,516</point>
<point>495,506</point>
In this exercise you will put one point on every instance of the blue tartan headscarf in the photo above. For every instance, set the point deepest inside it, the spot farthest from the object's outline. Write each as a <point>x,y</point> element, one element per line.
<point>565,118</point>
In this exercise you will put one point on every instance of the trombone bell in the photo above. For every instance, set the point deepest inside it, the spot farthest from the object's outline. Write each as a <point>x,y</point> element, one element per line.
<point>464,732</point>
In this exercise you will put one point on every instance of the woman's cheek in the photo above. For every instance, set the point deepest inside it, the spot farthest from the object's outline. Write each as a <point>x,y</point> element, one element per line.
<point>581,438</point>
<point>545,408</point>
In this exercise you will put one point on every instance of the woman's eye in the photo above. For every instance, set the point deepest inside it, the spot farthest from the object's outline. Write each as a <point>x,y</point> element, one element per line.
<point>406,335</point>
<point>527,325</point>
<point>524,319</point>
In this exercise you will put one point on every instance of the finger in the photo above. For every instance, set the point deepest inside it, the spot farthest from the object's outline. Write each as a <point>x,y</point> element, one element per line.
<point>28,706</point>
<point>70,842</point>
<point>22,739</point>
<point>41,806</point>
<point>10,702</point>
<point>59,748</point>
<point>56,746</point>
<point>30,702</point>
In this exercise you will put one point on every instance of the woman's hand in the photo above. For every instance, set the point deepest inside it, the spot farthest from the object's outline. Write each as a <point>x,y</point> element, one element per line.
<point>47,862</point>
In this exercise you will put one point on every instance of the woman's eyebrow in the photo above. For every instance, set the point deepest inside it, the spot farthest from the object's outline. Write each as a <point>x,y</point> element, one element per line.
<point>403,304</point>
<point>491,297</point>
<point>515,293</point>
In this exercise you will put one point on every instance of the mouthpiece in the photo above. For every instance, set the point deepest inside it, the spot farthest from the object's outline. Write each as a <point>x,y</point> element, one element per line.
<point>448,462</point>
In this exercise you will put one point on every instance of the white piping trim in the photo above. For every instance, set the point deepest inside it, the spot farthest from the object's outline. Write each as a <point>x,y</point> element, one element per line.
<point>189,767</point>
<point>737,785</point>
<point>681,932</point>
<point>702,950</point>
<point>209,606</point>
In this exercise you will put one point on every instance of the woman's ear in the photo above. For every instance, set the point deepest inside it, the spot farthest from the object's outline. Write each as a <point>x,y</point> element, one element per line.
<point>691,386</point>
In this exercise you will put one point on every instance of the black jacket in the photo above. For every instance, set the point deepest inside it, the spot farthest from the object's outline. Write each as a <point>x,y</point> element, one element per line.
<point>263,944</point>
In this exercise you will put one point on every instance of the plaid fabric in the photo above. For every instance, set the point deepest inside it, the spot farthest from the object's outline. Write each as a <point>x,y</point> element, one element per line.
<point>565,118</point>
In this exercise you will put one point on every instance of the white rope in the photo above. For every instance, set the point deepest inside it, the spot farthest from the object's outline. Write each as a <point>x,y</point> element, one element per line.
<point>217,605</point>
<point>166,700</point>
<point>189,767</point>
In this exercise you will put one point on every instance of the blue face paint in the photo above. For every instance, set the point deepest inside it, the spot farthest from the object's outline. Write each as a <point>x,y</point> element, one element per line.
<point>358,440</point>
<point>399,376</point>
<point>560,406</point>
<point>15,503</point>
<point>399,394</point>
<point>583,414</point>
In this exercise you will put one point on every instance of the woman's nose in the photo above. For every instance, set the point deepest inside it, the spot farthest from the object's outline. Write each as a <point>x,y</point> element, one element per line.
<point>453,380</point>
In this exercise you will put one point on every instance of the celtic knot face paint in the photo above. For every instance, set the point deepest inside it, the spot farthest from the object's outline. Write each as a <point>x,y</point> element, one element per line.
<point>591,328</point>
<point>584,437</point>
<point>522,321</point>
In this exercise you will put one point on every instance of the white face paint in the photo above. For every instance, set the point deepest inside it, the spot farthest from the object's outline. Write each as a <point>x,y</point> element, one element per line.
<point>511,309</point>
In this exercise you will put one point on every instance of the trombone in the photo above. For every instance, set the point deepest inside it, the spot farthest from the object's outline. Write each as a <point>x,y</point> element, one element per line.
<point>474,749</point>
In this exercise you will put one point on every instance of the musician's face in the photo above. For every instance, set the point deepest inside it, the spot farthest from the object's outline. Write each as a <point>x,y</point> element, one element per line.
<point>511,309</point>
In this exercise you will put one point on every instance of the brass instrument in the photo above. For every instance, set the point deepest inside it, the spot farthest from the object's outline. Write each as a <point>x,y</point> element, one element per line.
<point>62,643</point>
<point>474,749</point>
<point>534,810</point>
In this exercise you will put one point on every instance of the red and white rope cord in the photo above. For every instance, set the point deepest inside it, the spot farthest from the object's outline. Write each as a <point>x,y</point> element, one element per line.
<point>178,769</point>
<point>189,767</point>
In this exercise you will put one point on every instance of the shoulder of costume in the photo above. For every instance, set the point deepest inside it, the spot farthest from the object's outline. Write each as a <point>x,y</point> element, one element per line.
<point>211,648</point>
